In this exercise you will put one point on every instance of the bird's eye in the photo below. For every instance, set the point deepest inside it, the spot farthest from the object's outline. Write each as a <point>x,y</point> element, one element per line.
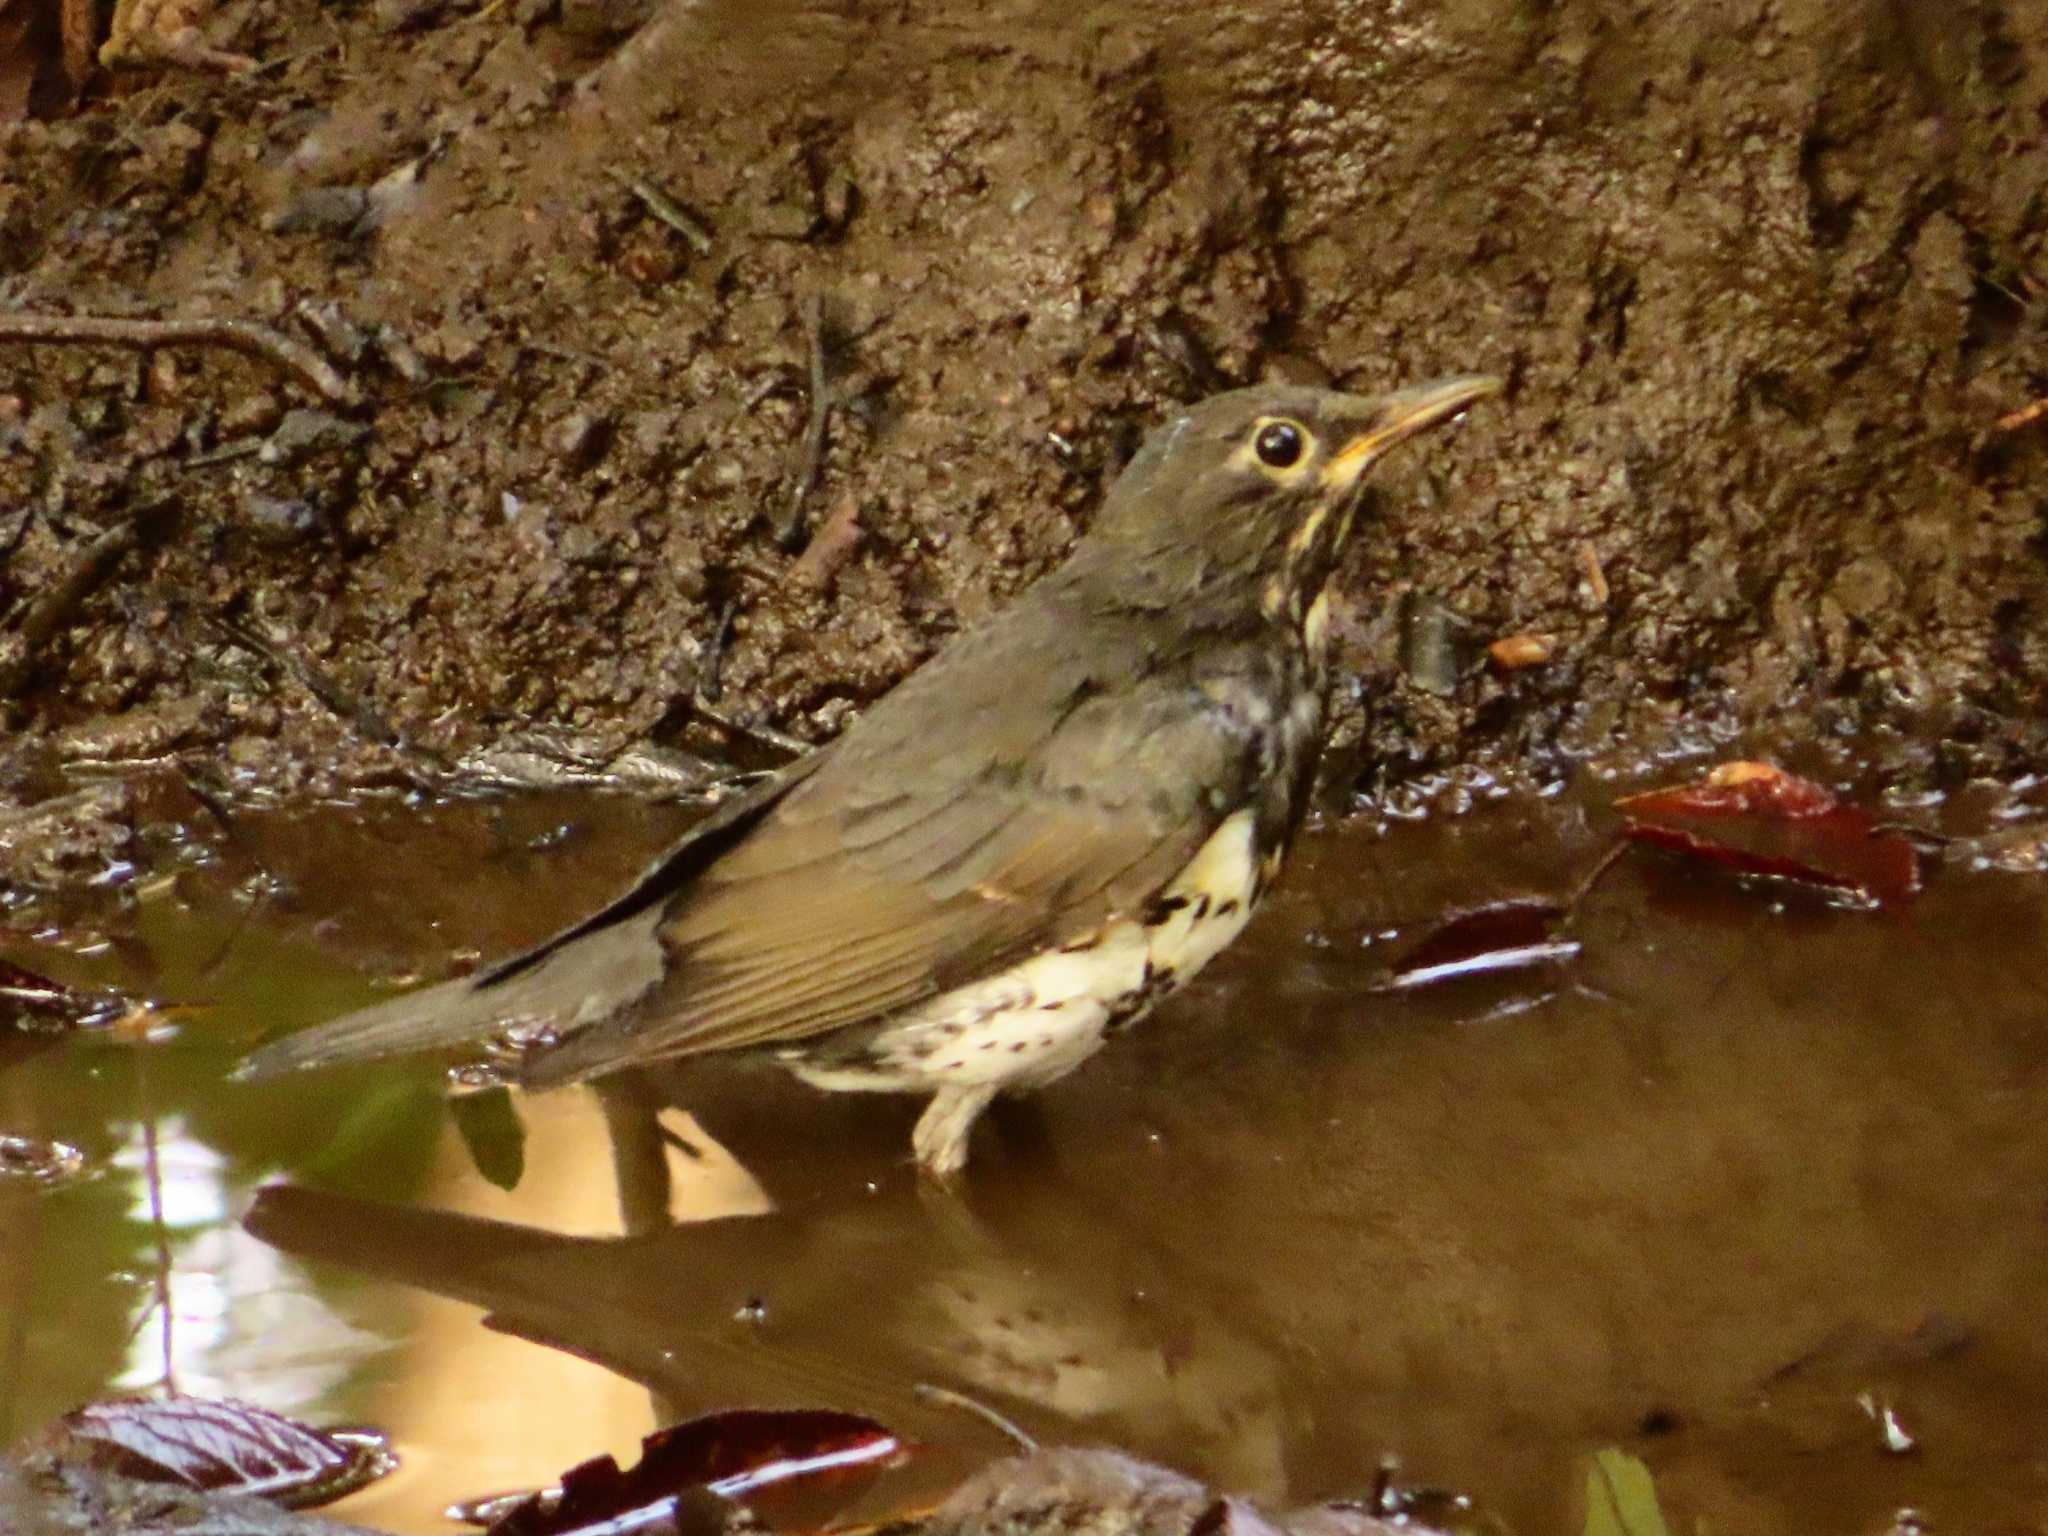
<point>1279,444</point>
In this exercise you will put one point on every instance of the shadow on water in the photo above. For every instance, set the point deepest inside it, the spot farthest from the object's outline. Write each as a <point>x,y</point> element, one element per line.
<point>1737,1182</point>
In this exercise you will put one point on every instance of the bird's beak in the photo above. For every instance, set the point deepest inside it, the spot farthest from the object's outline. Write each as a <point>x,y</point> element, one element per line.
<point>1400,416</point>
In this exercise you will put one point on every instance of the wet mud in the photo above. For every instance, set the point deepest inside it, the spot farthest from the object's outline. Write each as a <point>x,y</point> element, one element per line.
<point>1765,276</point>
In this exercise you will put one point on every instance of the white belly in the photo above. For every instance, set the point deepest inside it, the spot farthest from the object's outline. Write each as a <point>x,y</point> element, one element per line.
<point>1044,1017</point>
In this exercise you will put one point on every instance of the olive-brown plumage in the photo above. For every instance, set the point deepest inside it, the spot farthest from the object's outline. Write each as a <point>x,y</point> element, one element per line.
<point>1049,826</point>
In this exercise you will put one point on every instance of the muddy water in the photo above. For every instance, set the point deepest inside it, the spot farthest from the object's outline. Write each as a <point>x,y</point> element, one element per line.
<point>1742,1178</point>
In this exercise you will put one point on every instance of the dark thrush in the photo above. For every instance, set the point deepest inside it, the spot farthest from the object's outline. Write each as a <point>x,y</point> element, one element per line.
<point>1046,829</point>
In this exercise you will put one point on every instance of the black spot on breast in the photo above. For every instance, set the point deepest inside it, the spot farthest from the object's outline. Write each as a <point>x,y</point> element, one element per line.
<point>1226,908</point>
<point>1160,908</point>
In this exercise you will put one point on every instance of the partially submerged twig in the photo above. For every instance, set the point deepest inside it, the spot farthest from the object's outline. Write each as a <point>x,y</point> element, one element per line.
<point>247,336</point>
<point>812,463</point>
<point>980,1410</point>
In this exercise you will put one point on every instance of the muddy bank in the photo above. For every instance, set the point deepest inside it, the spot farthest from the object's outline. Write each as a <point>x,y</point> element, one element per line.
<point>1764,275</point>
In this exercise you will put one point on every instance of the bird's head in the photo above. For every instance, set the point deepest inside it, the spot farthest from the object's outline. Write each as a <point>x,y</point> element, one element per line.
<point>1260,486</point>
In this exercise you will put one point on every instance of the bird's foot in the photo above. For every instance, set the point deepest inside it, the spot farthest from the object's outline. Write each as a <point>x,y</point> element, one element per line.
<point>940,1140</point>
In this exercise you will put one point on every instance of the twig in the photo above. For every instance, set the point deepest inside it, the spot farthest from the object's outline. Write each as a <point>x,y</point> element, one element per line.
<point>248,336</point>
<point>713,664</point>
<point>782,741</point>
<point>1592,877</point>
<point>352,707</point>
<point>695,232</point>
<point>791,534</point>
<point>982,1411</point>
<point>50,612</point>
<point>2012,421</point>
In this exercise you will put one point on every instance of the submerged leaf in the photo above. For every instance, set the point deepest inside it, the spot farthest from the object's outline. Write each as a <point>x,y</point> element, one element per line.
<point>1621,1497</point>
<point>219,1443</point>
<point>1757,819</point>
<point>740,1456</point>
<point>1501,936</point>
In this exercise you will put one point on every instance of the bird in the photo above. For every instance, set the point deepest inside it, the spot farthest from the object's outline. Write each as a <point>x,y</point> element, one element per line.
<point>1019,850</point>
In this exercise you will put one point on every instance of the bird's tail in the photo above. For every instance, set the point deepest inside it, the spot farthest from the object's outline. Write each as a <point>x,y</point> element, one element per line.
<point>558,993</point>
<point>428,1019</point>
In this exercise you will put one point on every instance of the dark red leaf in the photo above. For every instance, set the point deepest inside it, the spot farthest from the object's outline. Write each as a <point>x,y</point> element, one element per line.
<point>1756,819</point>
<point>36,1002</point>
<point>1501,936</point>
<point>742,1455</point>
<point>218,1443</point>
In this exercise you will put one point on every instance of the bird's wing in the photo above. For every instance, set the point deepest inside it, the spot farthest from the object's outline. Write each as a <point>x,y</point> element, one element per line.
<point>581,974</point>
<point>911,863</point>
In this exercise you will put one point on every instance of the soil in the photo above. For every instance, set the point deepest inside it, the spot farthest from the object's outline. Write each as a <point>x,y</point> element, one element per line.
<point>1764,276</point>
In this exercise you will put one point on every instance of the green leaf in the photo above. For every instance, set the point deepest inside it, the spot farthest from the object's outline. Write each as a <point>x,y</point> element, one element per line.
<point>1621,1497</point>
<point>492,1132</point>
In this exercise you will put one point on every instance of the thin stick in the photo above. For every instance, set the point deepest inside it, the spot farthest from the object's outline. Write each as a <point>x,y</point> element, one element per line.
<point>782,741</point>
<point>154,1175</point>
<point>247,336</point>
<point>791,534</point>
<point>982,1411</point>
<point>695,232</point>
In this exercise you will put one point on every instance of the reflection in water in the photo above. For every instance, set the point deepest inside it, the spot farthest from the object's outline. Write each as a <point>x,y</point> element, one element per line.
<point>241,1320</point>
<point>1703,1190</point>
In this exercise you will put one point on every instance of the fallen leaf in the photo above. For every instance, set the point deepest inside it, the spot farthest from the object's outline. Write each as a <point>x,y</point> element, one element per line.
<point>743,1456</point>
<point>1757,819</point>
<point>1501,936</point>
<point>1621,1497</point>
<point>219,1444</point>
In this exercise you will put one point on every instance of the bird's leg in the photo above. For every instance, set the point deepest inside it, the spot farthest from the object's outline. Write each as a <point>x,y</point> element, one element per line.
<point>940,1139</point>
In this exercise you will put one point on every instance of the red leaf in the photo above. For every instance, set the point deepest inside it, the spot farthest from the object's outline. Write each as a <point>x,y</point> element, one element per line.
<point>210,1443</point>
<point>1501,936</point>
<point>1757,819</point>
<point>741,1455</point>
